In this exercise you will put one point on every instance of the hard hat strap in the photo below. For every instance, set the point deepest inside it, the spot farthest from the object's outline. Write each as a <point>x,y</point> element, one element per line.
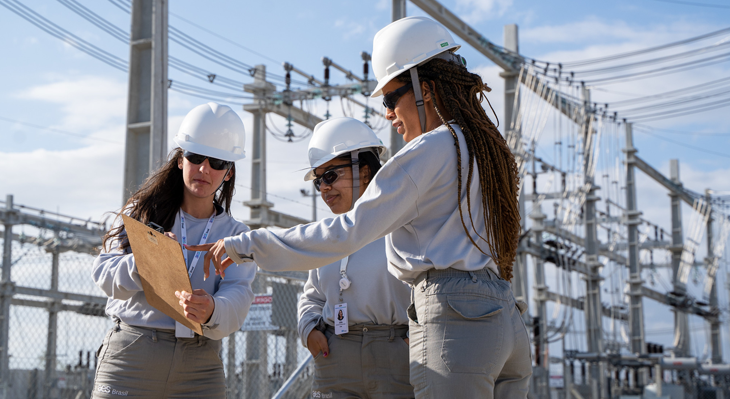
<point>419,98</point>
<point>355,159</point>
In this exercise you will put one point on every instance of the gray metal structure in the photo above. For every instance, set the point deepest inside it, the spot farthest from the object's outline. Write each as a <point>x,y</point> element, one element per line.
<point>146,139</point>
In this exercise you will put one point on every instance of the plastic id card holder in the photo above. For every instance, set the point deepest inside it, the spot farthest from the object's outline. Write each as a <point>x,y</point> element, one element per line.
<point>341,324</point>
<point>183,332</point>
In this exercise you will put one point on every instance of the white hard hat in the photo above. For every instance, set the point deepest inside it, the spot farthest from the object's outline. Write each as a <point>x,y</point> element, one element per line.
<point>213,130</point>
<point>406,43</point>
<point>339,136</point>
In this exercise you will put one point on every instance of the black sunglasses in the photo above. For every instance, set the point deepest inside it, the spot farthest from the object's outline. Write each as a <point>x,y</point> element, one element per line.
<point>391,99</point>
<point>330,175</point>
<point>215,163</point>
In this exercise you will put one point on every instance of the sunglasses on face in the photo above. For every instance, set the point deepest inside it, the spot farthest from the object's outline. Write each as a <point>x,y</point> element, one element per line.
<point>391,99</point>
<point>215,163</point>
<point>330,176</point>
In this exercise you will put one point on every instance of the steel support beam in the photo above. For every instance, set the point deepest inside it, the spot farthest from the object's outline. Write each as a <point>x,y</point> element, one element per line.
<point>53,308</point>
<point>146,143</point>
<point>396,140</point>
<point>6,296</point>
<point>540,340</point>
<point>681,320</point>
<point>715,335</point>
<point>633,220</point>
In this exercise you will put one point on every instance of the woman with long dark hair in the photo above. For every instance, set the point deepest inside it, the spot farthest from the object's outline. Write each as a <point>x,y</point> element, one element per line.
<point>448,205</point>
<point>146,353</point>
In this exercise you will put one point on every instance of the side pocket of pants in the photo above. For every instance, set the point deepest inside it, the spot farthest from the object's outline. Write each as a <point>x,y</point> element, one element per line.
<point>473,333</point>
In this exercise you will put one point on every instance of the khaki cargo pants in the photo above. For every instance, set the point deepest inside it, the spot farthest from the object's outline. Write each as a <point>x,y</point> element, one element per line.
<point>140,362</point>
<point>369,362</point>
<point>467,338</point>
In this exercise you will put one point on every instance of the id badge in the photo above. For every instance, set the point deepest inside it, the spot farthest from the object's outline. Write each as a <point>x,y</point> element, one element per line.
<point>341,324</point>
<point>183,332</point>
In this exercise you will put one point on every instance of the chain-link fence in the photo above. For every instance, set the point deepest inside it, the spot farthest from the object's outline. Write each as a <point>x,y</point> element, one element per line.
<point>57,322</point>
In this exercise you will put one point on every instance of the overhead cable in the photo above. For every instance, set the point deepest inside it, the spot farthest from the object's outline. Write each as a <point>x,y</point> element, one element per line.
<point>686,54</point>
<point>60,33</point>
<point>646,50</point>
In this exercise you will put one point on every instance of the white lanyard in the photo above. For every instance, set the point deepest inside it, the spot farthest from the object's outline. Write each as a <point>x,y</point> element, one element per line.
<point>344,281</point>
<point>203,239</point>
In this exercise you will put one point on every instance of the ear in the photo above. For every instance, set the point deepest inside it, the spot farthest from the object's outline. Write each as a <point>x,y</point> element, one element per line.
<point>180,163</point>
<point>426,90</point>
<point>228,175</point>
<point>366,173</point>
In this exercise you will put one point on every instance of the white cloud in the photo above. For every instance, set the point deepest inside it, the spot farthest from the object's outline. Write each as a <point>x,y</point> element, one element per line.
<point>475,11</point>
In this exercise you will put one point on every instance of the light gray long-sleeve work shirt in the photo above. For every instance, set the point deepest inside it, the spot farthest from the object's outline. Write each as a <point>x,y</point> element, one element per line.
<point>412,200</point>
<point>374,296</point>
<point>115,272</point>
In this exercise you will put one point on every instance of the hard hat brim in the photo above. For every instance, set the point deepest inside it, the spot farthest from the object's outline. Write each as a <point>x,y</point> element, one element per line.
<point>209,151</point>
<point>310,175</point>
<point>382,82</point>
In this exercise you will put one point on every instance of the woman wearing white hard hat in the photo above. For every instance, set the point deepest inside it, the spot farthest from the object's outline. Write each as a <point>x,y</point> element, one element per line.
<point>448,203</point>
<point>146,353</point>
<point>352,315</point>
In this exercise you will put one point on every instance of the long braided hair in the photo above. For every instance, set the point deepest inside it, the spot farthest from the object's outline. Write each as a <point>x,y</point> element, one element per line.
<point>461,93</point>
<point>160,198</point>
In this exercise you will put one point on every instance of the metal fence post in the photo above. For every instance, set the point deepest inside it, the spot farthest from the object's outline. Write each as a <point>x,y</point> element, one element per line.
<point>5,300</point>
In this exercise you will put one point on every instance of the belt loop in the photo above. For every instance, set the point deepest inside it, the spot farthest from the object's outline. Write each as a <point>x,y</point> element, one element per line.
<point>473,277</point>
<point>154,335</point>
<point>392,334</point>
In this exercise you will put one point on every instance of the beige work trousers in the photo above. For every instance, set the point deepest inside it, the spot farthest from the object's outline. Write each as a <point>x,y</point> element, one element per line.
<point>369,362</point>
<point>140,362</point>
<point>467,338</point>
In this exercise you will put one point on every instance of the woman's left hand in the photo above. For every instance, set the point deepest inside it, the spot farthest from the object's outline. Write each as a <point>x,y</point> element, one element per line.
<point>198,306</point>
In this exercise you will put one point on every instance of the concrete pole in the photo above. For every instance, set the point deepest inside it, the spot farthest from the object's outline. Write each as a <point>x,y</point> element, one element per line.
<point>50,364</point>
<point>396,140</point>
<point>146,143</point>
<point>636,311</point>
<point>715,335</point>
<point>542,362</point>
<point>593,307</point>
<point>5,300</point>
<point>258,203</point>
<point>681,320</point>
<point>511,43</point>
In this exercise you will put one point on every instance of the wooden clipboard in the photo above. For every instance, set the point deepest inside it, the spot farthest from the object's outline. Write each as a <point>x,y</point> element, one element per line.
<point>161,268</point>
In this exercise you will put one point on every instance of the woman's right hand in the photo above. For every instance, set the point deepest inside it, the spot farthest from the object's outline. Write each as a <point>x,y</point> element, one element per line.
<point>317,342</point>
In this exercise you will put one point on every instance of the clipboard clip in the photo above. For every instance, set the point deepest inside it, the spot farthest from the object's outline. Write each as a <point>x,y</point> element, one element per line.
<point>157,227</point>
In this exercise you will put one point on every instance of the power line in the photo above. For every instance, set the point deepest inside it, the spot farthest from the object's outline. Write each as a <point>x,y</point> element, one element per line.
<point>686,54</point>
<point>60,33</point>
<point>57,130</point>
<point>225,38</point>
<point>686,111</point>
<point>646,50</point>
<point>689,3</point>
<point>664,70</point>
<point>719,154</point>
<point>650,128</point>
<point>669,94</point>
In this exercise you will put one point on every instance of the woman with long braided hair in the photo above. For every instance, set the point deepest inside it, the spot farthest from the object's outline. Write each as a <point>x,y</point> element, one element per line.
<point>448,205</point>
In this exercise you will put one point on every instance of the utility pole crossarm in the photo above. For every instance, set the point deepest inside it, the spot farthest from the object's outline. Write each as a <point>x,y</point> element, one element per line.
<point>661,179</point>
<point>507,61</point>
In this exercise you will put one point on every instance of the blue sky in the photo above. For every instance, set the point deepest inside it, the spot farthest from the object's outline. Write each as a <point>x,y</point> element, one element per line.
<point>51,84</point>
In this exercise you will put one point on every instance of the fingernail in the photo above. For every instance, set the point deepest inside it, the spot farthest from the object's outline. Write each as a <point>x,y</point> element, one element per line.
<point>325,354</point>
<point>205,277</point>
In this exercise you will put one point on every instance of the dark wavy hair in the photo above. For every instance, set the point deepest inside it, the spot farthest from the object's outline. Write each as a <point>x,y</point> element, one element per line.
<point>461,93</point>
<point>160,198</point>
